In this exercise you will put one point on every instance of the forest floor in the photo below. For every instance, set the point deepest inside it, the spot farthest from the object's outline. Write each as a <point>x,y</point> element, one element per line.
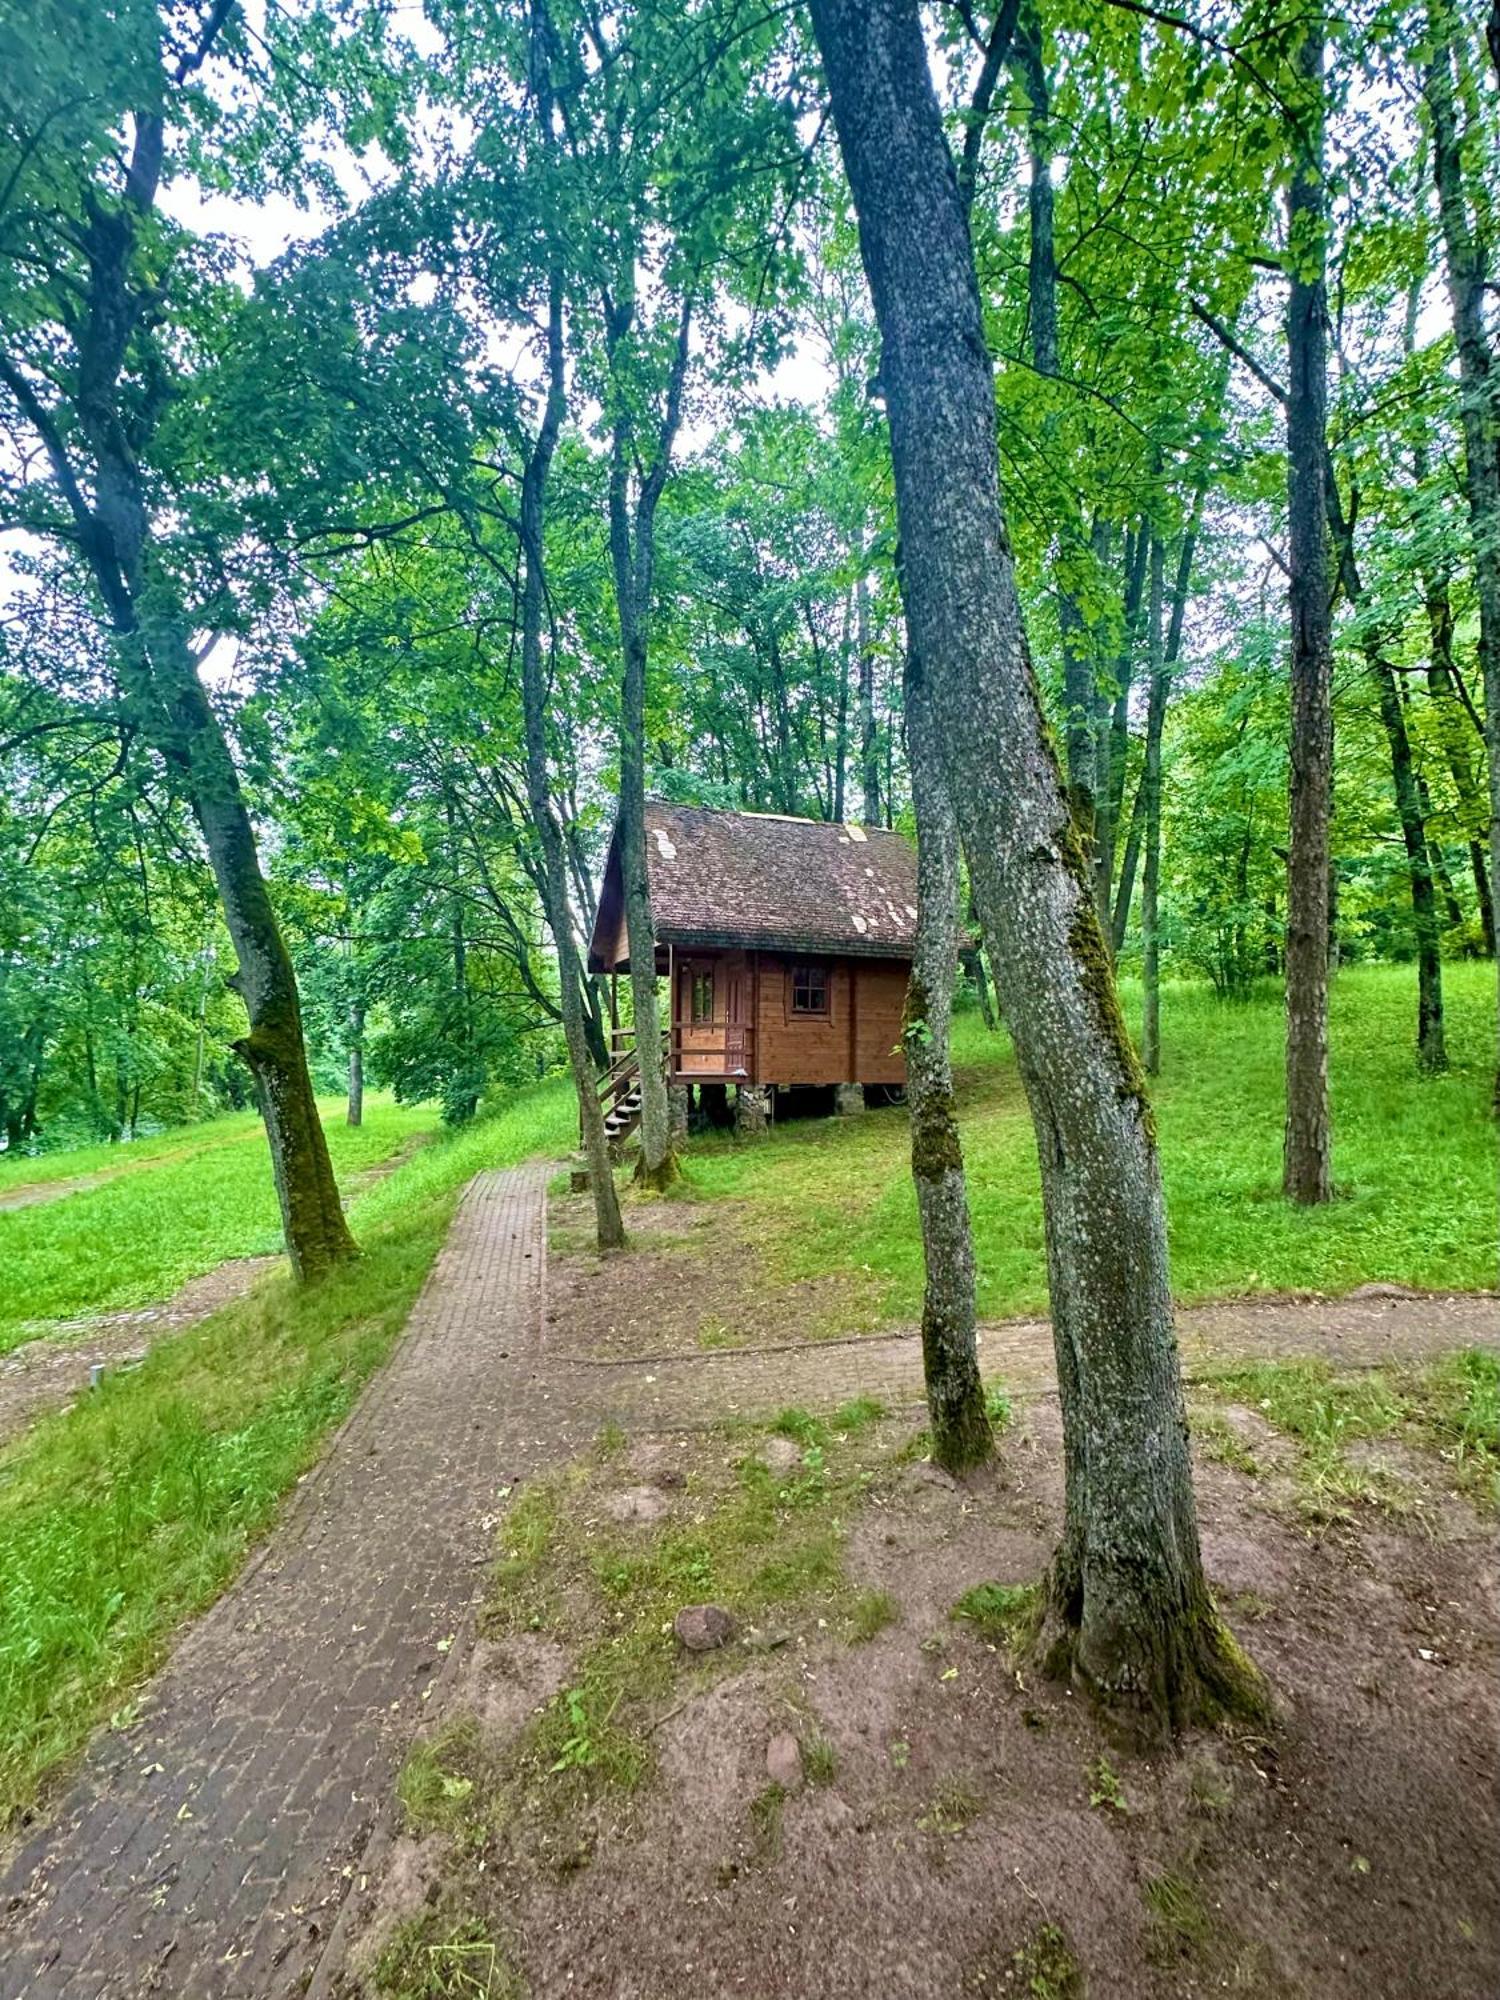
<point>866,1791</point>
<point>731,1410</point>
<point>864,1788</point>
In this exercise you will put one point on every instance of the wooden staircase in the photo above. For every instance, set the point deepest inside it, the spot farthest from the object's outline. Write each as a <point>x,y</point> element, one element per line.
<point>620,1092</point>
<point>624,1114</point>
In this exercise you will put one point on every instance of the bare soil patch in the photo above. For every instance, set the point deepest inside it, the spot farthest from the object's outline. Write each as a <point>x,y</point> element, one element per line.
<point>690,1283</point>
<point>956,1826</point>
<point>47,1373</point>
<point>694,1281</point>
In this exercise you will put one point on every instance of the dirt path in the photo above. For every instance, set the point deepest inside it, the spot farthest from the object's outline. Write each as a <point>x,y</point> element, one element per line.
<point>674,1390</point>
<point>208,1849</point>
<point>38,1193</point>
<point>48,1372</point>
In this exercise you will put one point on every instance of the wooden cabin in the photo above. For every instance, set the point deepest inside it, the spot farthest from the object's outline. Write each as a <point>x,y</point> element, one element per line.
<point>786,945</point>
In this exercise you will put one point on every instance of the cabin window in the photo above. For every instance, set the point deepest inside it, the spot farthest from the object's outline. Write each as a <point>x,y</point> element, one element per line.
<point>701,1002</point>
<point>809,989</point>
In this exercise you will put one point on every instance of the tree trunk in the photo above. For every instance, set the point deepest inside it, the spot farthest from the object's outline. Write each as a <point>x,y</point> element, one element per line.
<point>1126,887</point>
<point>1453,730</point>
<point>961,1435</point>
<point>608,1226</point>
<point>1307,1165</point>
<point>356,1113</point>
<point>869,739</point>
<point>1432,1050</point>
<point>841,739</point>
<point>161,678</point>
<point>1130,1614</point>
<point>317,1236</point>
<point>1041,296</point>
<point>1113,740</point>
<point>1156,715</point>
<point>971,959</point>
<point>632,543</point>
<point>1467,256</point>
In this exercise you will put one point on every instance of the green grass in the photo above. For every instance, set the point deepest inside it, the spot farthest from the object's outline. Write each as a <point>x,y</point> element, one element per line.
<point>1003,1614</point>
<point>1415,1161</point>
<point>44,1168</point>
<point>1451,1407</point>
<point>435,1957</point>
<point>134,1240</point>
<point>133,1509</point>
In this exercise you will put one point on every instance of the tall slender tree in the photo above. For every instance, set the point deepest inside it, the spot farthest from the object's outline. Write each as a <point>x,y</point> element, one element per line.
<point>88,366</point>
<point>950,1355</point>
<point>1467,254</point>
<point>1129,1612</point>
<point>1307,1158</point>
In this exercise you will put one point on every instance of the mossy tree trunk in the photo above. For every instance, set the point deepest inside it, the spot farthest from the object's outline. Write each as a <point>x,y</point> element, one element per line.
<point>105,493</point>
<point>1130,1615</point>
<point>1307,1155</point>
<point>961,1435</point>
<point>1467,253</point>
<point>609,1228</point>
<point>317,1236</point>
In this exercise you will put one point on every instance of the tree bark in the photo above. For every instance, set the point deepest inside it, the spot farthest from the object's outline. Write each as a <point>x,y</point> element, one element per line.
<point>160,676</point>
<point>869,739</point>
<point>1156,715</point>
<point>961,1436</point>
<point>1453,730</point>
<point>1307,1161</point>
<point>1126,886</point>
<point>1467,258</point>
<point>356,1113</point>
<point>1113,739</point>
<point>1129,1610</point>
<point>632,542</point>
<point>1041,296</point>
<point>1432,1049</point>
<point>608,1225</point>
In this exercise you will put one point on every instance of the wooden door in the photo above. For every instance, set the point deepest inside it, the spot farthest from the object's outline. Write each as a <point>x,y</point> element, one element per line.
<point>699,1037</point>
<point>734,1018</point>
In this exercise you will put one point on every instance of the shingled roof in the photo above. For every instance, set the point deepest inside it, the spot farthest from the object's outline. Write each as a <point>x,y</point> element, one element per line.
<point>762,881</point>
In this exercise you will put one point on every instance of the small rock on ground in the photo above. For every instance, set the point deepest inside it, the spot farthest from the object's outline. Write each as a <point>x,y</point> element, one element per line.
<point>784,1761</point>
<point>702,1627</point>
<point>781,1454</point>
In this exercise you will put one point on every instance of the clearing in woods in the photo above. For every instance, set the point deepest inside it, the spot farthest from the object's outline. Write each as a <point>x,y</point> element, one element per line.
<point>865,1730</point>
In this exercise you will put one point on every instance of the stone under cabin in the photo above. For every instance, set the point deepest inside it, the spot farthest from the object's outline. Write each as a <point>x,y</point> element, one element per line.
<point>786,946</point>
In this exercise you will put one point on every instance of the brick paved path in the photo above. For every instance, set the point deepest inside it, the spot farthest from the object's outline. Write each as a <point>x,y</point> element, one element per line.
<point>203,1851</point>
<point>207,1850</point>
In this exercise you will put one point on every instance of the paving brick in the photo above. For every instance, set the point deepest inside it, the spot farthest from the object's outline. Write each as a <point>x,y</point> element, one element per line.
<point>274,1713</point>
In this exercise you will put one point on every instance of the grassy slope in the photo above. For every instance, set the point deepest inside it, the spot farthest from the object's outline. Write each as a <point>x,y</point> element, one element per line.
<point>137,1238</point>
<point>37,1171</point>
<point>123,1515</point>
<point>1415,1161</point>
